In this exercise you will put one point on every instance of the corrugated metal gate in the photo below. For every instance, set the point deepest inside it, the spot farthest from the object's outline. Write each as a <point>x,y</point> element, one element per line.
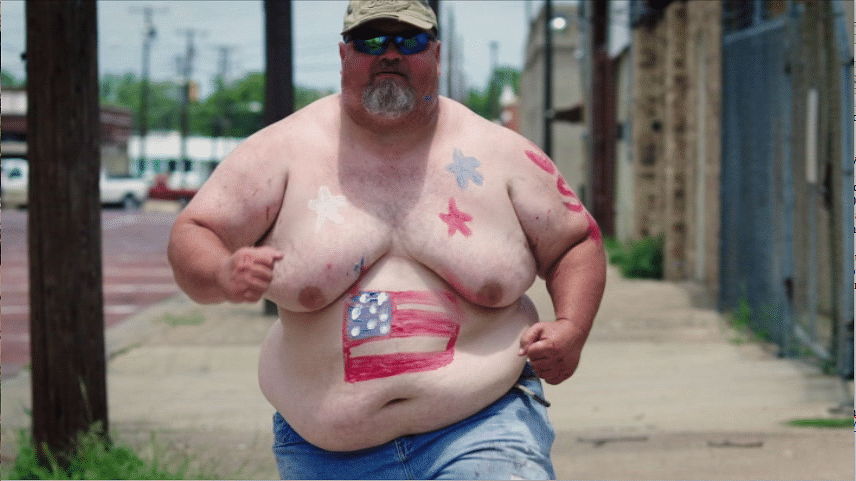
<point>757,198</point>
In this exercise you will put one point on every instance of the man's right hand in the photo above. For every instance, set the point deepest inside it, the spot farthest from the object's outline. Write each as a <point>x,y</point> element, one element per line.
<point>247,273</point>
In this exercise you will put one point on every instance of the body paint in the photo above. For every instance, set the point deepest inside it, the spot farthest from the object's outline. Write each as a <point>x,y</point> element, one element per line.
<point>327,206</point>
<point>464,169</point>
<point>594,230</point>
<point>376,318</point>
<point>541,161</point>
<point>574,204</point>
<point>456,219</point>
<point>360,268</point>
<point>563,187</point>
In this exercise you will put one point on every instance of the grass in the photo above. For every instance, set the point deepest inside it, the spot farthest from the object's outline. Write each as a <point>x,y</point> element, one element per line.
<point>827,423</point>
<point>739,319</point>
<point>194,318</point>
<point>94,458</point>
<point>125,350</point>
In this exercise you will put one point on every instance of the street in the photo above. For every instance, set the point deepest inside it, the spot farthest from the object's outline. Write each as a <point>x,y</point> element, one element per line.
<point>136,274</point>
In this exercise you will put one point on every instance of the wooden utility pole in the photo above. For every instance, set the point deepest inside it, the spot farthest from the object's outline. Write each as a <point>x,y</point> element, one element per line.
<point>187,73</point>
<point>66,299</point>
<point>148,37</point>
<point>279,78</point>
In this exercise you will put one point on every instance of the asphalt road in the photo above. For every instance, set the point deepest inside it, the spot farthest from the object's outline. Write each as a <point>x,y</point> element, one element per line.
<point>136,273</point>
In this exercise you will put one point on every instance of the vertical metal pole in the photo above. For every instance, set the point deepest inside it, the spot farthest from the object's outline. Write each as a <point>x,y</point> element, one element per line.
<point>548,78</point>
<point>279,81</point>
<point>844,349</point>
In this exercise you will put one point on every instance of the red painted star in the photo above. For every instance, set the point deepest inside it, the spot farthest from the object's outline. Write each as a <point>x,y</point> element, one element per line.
<point>456,220</point>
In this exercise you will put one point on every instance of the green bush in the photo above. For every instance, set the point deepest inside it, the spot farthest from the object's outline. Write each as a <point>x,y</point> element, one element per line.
<point>94,458</point>
<point>642,259</point>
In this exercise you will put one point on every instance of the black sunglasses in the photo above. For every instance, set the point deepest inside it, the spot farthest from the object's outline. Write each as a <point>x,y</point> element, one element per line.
<point>405,45</point>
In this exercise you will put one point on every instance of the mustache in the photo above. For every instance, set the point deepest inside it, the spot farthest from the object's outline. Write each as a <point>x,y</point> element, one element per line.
<point>389,67</point>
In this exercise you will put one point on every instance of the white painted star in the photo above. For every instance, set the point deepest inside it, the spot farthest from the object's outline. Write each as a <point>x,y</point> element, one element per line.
<point>327,206</point>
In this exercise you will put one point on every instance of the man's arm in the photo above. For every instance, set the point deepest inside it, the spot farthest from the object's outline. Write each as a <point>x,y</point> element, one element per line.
<point>568,249</point>
<point>575,283</point>
<point>210,273</point>
<point>212,245</point>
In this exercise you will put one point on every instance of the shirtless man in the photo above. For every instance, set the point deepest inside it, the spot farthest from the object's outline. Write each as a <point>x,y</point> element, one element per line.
<point>397,232</point>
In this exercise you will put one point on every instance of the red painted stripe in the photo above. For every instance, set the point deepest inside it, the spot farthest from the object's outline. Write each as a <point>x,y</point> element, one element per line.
<point>365,368</point>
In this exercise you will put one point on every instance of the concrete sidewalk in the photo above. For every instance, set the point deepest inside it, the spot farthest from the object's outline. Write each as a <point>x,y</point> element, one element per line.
<point>663,392</point>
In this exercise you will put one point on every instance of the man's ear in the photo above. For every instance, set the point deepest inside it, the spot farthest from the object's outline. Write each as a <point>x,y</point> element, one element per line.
<point>438,57</point>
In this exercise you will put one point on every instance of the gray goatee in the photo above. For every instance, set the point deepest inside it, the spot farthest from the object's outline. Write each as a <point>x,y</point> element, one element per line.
<point>389,98</point>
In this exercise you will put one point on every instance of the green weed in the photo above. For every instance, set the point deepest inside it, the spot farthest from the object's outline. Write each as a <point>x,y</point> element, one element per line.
<point>96,458</point>
<point>194,318</point>
<point>834,423</point>
<point>642,259</point>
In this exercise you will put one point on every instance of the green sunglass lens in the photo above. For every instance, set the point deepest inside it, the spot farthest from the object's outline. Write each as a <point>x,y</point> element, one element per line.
<point>374,44</point>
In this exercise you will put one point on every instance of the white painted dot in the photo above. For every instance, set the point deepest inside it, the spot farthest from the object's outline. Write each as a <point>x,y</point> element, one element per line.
<point>355,332</point>
<point>355,312</point>
<point>371,324</point>
<point>383,317</point>
<point>384,329</point>
<point>373,309</point>
<point>382,297</point>
<point>364,298</point>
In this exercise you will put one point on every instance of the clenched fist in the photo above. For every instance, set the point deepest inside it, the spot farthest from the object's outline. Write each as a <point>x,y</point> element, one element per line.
<point>553,349</point>
<point>247,273</point>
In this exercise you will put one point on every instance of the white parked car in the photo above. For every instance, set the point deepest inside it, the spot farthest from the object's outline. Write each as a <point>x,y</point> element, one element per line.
<point>128,192</point>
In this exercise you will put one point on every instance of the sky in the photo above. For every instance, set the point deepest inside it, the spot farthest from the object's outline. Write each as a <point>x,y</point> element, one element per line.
<point>238,27</point>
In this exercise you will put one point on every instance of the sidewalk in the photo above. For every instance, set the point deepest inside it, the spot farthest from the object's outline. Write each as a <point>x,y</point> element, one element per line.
<point>662,393</point>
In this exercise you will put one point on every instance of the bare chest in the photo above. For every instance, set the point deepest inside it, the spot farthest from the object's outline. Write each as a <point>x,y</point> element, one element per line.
<point>451,215</point>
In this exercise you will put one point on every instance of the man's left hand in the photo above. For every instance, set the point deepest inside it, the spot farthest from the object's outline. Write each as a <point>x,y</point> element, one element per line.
<point>553,349</point>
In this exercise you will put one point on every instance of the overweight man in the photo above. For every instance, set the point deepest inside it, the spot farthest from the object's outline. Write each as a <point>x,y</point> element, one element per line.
<point>397,232</point>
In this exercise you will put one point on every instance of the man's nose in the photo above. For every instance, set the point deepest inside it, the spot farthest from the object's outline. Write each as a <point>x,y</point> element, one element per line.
<point>391,52</point>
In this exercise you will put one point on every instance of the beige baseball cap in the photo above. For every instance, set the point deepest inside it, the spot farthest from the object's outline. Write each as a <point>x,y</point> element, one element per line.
<point>415,12</point>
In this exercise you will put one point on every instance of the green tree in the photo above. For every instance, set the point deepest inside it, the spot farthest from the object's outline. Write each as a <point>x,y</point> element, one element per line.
<point>9,81</point>
<point>126,91</point>
<point>235,109</point>
<point>486,102</point>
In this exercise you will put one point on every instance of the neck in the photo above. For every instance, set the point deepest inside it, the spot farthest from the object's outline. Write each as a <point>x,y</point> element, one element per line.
<point>380,132</point>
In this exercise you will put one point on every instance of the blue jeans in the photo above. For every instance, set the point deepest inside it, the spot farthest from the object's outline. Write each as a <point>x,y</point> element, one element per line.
<point>510,439</point>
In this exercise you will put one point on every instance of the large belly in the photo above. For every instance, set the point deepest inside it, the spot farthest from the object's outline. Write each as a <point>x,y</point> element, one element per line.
<point>401,353</point>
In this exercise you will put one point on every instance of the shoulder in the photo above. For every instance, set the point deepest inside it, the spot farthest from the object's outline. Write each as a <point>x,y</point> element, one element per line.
<point>506,148</point>
<point>308,128</point>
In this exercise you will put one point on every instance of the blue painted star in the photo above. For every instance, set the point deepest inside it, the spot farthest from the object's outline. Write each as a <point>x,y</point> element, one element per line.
<point>464,169</point>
